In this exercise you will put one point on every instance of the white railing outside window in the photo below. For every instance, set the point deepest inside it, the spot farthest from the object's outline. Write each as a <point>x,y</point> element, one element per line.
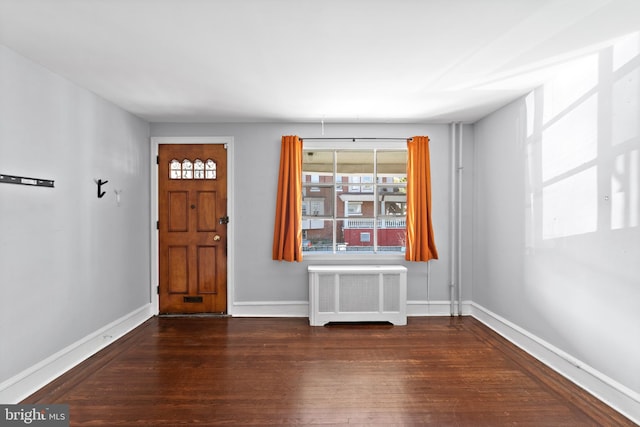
<point>367,223</point>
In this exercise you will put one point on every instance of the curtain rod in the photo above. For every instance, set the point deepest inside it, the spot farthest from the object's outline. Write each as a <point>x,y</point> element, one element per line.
<point>360,139</point>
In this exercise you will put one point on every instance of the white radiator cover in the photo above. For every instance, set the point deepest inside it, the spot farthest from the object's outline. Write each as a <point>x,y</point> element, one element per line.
<point>357,293</point>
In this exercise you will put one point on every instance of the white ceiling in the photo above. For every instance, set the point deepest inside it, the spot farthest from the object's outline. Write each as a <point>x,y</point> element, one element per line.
<point>304,60</point>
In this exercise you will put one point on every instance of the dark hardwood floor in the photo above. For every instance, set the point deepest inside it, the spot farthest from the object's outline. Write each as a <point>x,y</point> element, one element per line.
<point>444,371</point>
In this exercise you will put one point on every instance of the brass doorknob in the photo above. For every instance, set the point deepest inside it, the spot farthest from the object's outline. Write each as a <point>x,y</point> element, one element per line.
<point>216,237</point>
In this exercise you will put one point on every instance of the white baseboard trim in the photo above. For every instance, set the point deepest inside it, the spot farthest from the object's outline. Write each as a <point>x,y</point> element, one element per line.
<point>301,308</point>
<point>614,394</point>
<point>436,308</point>
<point>269,309</point>
<point>27,382</point>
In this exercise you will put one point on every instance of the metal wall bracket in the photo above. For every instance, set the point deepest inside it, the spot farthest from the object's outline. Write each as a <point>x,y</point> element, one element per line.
<point>11,179</point>
<point>100,184</point>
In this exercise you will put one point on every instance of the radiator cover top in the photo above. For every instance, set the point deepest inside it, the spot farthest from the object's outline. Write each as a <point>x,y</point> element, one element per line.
<point>357,293</point>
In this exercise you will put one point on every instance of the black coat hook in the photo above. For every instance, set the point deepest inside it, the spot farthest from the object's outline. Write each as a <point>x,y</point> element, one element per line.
<point>100,184</point>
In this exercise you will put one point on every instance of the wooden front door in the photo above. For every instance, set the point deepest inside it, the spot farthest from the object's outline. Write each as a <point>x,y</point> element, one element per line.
<point>192,184</point>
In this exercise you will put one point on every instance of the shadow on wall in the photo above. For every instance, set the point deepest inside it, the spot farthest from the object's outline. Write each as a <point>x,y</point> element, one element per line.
<point>583,146</point>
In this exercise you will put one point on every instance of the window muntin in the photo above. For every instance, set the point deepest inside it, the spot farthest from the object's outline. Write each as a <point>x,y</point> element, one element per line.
<point>187,169</point>
<point>211,169</point>
<point>363,197</point>
<point>355,168</point>
<point>196,169</point>
<point>175,169</point>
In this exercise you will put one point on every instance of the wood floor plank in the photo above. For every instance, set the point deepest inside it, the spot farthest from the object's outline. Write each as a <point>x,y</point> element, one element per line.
<point>280,371</point>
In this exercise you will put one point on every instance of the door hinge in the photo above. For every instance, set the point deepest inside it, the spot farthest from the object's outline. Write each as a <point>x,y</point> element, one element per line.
<point>157,225</point>
<point>157,160</point>
<point>158,289</point>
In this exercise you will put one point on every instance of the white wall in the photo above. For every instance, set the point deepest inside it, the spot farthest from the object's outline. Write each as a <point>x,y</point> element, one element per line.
<point>259,279</point>
<point>70,263</point>
<point>557,213</point>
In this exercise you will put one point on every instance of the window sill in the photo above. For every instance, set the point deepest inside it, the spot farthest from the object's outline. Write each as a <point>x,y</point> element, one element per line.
<point>352,257</point>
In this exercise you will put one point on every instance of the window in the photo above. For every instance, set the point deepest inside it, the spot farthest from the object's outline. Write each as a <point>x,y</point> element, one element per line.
<point>354,208</point>
<point>354,198</point>
<point>196,169</point>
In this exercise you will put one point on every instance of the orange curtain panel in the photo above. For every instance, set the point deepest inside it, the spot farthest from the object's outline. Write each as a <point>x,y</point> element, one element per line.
<point>421,244</point>
<point>287,232</point>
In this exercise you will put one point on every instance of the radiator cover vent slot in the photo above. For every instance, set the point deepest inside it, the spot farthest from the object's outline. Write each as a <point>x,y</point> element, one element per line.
<point>357,293</point>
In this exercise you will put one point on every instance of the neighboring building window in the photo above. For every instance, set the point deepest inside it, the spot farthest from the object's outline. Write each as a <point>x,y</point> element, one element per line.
<point>354,199</point>
<point>315,178</point>
<point>196,169</point>
<point>313,206</point>
<point>354,188</point>
<point>354,208</point>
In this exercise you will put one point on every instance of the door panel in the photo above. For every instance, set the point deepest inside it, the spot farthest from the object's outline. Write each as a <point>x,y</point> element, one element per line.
<point>178,211</point>
<point>192,183</point>
<point>178,261</point>
<point>207,216</point>
<point>207,270</point>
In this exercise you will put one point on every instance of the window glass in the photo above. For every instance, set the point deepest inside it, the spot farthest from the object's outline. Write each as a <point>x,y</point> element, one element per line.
<point>192,170</point>
<point>354,201</point>
<point>175,169</point>
<point>355,168</point>
<point>317,235</point>
<point>391,166</point>
<point>316,206</point>
<point>198,169</point>
<point>392,200</point>
<point>211,169</point>
<point>355,235</point>
<point>187,169</point>
<point>354,208</point>
<point>392,236</point>
<point>317,166</point>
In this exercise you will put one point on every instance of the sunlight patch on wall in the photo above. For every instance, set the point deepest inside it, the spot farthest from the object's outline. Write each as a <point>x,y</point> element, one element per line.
<point>530,106</point>
<point>625,191</point>
<point>625,110</point>
<point>625,49</point>
<point>572,140</point>
<point>571,82</point>
<point>570,206</point>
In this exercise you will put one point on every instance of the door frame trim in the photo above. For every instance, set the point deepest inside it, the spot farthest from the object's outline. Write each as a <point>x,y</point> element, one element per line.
<point>155,243</point>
